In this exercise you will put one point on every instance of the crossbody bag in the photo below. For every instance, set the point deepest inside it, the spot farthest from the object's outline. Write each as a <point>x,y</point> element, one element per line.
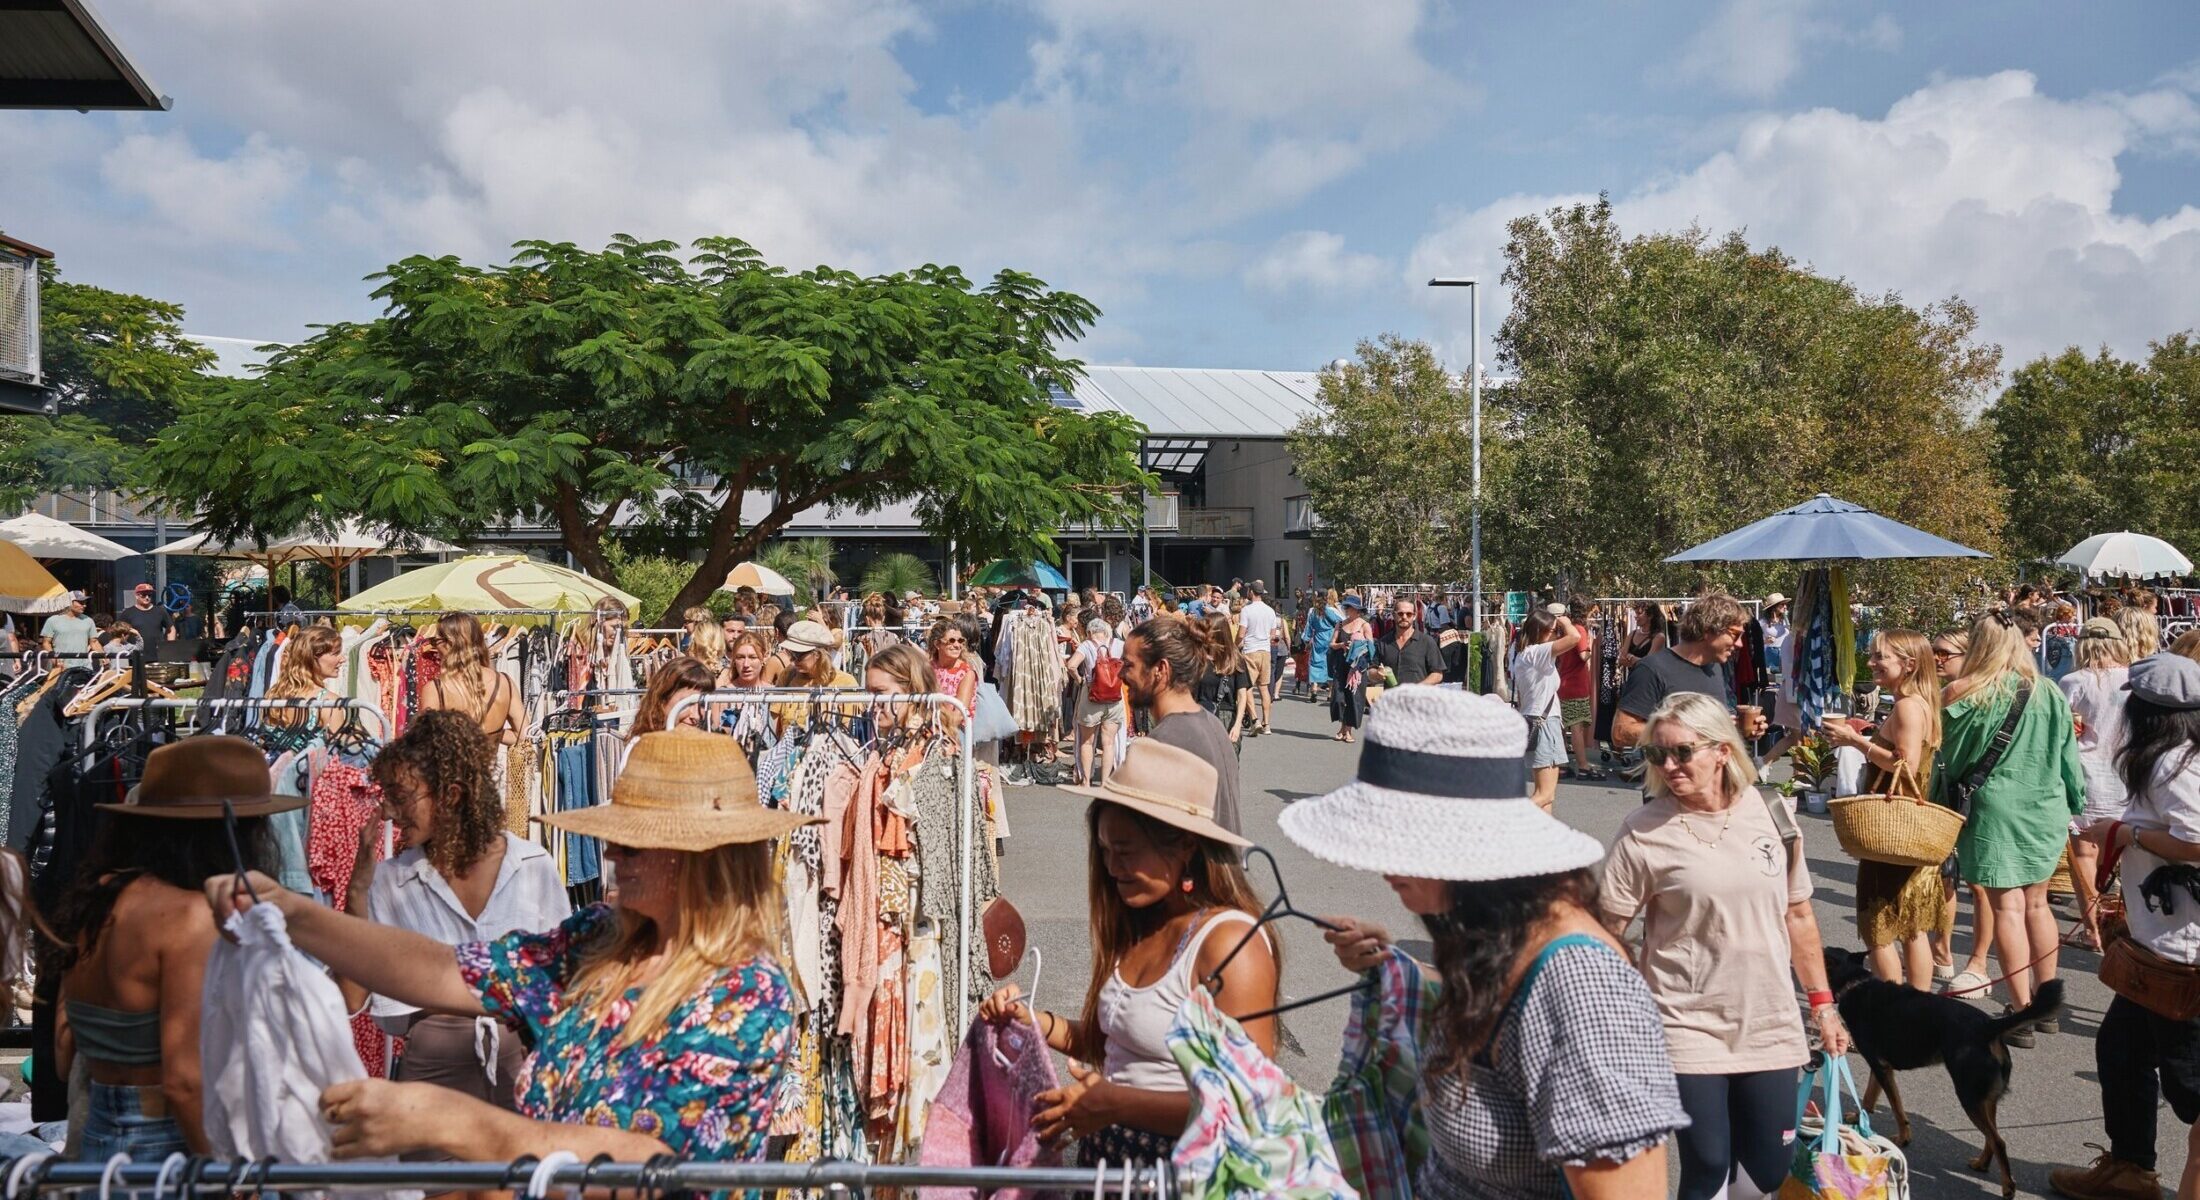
<point>1965,789</point>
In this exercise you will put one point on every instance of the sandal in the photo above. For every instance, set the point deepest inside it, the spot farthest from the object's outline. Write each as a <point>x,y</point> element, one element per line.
<point>1591,775</point>
<point>1965,984</point>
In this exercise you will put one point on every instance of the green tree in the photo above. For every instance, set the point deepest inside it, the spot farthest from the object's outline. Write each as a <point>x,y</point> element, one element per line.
<point>713,394</point>
<point>1385,461</point>
<point>897,575</point>
<point>1671,387</point>
<point>805,563</point>
<point>2093,445</point>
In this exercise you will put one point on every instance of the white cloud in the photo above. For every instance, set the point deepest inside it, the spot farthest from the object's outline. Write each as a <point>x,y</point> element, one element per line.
<point>1978,187</point>
<point>1752,47</point>
<point>228,200</point>
<point>1315,261</point>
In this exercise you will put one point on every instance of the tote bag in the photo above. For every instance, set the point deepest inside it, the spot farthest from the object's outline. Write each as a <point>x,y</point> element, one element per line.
<point>1836,1160</point>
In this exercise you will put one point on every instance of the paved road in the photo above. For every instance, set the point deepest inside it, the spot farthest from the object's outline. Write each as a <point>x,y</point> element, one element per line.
<point>2052,1111</point>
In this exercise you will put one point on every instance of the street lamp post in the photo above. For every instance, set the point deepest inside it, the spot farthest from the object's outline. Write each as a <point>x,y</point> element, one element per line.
<point>1474,393</point>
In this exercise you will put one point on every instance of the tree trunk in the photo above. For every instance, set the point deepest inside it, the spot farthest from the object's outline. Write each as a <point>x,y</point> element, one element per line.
<point>729,543</point>
<point>581,534</point>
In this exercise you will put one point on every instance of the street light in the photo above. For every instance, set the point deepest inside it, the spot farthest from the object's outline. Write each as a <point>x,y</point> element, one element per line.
<point>1474,392</point>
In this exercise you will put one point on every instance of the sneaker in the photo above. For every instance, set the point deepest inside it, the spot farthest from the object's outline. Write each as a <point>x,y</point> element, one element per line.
<point>1967,985</point>
<point>2109,1178</point>
<point>2022,1039</point>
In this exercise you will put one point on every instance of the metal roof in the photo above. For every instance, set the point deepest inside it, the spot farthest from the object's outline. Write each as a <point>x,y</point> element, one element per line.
<point>54,54</point>
<point>1195,403</point>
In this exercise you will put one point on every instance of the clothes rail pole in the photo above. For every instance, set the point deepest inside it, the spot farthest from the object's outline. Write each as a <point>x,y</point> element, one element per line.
<point>215,1178</point>
<point>91,722</point>
<point>966,790</point>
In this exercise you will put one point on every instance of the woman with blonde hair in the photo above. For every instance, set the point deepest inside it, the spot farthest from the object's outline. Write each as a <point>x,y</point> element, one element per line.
<point>1898,908</point>
<point>707,645</point>
<point>661,1021</point>
<point>469,682</point>
<point>313,656</point>
<point>1723,890</point>
<point>2020,799</point>
<point>2141,630</point>
<point>2095,690</point>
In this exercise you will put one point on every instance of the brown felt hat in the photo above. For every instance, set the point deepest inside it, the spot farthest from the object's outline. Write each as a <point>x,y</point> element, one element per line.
<point>1168,783</point>
<point>682,789</point>
<point>190,779</point>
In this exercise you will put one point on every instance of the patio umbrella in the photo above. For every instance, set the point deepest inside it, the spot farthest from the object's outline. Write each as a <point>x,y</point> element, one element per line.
<point>759,578</point>
<point>2124,555</point>
<point>487,583</point>
<point>44,538</point>
<point>1824,528</point>
<point>1004,572</point>
<point>26,587</point>
<point>350,542</point>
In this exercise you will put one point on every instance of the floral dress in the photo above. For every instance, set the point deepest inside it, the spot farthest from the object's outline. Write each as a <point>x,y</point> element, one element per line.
<point>705,1085</point>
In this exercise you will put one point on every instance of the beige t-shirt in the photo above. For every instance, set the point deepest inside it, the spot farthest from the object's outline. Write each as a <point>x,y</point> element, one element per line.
<point>1715,942</point>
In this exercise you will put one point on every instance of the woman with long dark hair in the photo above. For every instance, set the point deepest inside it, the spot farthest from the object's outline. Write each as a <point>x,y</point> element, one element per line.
<point>1169,903</point>
<point>135,933</point>
<point>1545,1075</point>
<point>2143,1057</point>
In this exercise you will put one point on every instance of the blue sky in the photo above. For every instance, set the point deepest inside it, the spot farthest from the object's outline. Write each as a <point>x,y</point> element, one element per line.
<point>1237,183</point>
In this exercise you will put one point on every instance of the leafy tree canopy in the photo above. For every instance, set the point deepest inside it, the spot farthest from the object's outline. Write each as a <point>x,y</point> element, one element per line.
<point>2095,445</point>
<point>577,387</point>
<point>1386,464</point>
<point>1672,387</point>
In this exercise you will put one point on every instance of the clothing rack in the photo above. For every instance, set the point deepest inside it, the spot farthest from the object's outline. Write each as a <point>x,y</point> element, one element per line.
<point>181,1178</point>
<point>91,721</point>
<point>966,785</point>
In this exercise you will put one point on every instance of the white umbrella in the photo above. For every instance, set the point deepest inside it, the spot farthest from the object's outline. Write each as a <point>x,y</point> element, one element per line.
<point>757,576</point>
<point>350,543</point>
<point>44,538</point>
<point>2126,555</point>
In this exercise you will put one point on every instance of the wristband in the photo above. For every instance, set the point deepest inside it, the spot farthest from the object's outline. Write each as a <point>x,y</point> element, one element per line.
<point>1819,1000</point>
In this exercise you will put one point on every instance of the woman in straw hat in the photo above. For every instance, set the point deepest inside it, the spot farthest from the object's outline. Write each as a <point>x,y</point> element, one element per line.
<point>1724,894</point>
<point>660,1024</point>
<point>136,936</point>
<point>1546,1075</point>
<point>1163,877</point>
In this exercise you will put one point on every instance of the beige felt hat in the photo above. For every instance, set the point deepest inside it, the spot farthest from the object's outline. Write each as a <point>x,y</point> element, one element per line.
<point>1168,783</point>
<point>682,789</point>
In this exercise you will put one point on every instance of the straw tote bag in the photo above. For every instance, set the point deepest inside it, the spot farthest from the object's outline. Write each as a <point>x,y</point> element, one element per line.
<point>1898,826</point>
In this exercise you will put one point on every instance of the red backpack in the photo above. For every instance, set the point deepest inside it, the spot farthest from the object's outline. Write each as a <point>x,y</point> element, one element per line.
<point>1107,680</point>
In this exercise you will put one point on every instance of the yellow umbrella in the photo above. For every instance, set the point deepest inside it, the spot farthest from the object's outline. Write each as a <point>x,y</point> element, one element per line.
<point>26,587</point>
<point>759,577</point>
<point>487,583</point>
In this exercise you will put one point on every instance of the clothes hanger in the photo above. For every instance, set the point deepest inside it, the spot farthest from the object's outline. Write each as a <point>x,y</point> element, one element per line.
<point>1031,1002</point>
<point>1279,907</point>
<point>107,1174</point>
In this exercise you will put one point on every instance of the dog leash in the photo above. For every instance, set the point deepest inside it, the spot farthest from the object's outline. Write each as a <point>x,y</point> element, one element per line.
<point>2103,877</point>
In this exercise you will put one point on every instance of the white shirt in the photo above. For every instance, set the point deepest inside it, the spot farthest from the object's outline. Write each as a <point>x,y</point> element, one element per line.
<point>1259,622</point>
<point>1090,650</point>
<point>2170,802</point>
<point>1535,681</point>
<point>409,893</point>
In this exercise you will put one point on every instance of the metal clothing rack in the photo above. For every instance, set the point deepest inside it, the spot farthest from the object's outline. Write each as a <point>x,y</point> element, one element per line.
<point>182,1178</point>
<point>966,789</point>
<point>91,721</point>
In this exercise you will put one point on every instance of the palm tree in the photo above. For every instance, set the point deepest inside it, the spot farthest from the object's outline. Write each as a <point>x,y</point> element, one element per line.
<point>897,575</point>
<point>804,561</point>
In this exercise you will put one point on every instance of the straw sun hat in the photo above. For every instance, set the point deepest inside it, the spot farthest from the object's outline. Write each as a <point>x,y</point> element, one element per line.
<point>1168,783</point>
<point>1441,793</point>
<point>681,790</point>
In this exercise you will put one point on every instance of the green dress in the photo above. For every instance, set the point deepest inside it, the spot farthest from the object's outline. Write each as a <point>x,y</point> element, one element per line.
<point>2020,819</point>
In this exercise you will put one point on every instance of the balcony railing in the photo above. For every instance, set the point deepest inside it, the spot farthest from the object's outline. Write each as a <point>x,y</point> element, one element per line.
<point>1217,523</point>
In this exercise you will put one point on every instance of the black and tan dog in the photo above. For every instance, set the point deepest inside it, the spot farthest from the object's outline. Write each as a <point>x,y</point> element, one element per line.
<point>1898,1028</point>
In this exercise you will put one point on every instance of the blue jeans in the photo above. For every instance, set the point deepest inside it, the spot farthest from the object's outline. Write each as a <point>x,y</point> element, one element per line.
<point>117,1124</point>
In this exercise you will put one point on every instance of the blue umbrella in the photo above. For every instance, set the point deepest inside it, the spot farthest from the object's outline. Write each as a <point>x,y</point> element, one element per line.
<point>1824,528</point>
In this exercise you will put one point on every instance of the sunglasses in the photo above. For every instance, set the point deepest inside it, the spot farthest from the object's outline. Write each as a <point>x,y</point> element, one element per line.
<point>950,641</point>
<point>1940,655</point>
<point>1679,756</point>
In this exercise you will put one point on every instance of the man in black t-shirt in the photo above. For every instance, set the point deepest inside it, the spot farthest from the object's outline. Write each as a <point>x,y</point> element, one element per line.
<point>1710,629</point>
<point>153,623</point>
<point>1408,650</point>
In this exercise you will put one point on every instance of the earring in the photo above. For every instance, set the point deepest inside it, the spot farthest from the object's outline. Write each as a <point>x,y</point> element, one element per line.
<point>1186,885</point>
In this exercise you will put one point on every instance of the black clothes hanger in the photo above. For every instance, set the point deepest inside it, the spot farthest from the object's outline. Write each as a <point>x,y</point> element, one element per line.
<point>1279,907</point>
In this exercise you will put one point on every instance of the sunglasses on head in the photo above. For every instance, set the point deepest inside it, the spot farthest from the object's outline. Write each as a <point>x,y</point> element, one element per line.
<point>1658,756</point>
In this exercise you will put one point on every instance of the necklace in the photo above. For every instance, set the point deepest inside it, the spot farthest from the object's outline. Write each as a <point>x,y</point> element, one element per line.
<point>1713,841</point>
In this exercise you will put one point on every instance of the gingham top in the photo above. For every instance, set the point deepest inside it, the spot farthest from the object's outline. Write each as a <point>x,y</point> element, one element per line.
<point>1578,1074</point>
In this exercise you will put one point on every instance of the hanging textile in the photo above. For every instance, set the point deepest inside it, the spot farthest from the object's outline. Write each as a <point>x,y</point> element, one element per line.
<point>983,1115</point>
<point>1253,1132</point>
<point>1817,687</point>
<point>1373,1108</point>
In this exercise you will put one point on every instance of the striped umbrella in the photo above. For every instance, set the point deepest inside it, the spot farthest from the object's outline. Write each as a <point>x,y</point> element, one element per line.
<point>488,583</point>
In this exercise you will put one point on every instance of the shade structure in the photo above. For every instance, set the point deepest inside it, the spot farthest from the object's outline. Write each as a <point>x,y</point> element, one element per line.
<point>1007,572</point>
<point>759,578</point>
<point>349,543</point>
<point>487,583</point>
<point>26,587</point>
<point>1822,529</point>
<point>44,538</point>
<point>2123,555</point>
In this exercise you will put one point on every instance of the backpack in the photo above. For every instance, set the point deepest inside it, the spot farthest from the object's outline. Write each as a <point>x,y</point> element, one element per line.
<point>1107,680</point>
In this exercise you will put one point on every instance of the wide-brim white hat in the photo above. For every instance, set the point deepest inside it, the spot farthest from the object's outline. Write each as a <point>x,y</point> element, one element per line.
<point>1441,793</point>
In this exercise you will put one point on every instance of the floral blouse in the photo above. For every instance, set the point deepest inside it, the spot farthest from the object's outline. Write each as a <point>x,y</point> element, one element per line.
<point>704,1086</point>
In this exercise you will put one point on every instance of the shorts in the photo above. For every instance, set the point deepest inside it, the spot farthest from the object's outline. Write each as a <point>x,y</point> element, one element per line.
<point>1094,714</point>
<point>1550,744</point>
<point>1576,712</point>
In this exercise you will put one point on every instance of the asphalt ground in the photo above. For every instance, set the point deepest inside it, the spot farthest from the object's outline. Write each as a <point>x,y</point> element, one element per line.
<point>2051,1113</point>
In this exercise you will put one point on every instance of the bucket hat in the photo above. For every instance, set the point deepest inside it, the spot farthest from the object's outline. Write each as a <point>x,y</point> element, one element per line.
<point>1168,783</point>
<point>805,636</point>
<point>1441,793</point>
<point>190,779</point>
<point>681,790</point>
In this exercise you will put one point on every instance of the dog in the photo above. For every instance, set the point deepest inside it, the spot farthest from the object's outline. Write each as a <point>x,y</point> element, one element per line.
<point>1898,1028</point>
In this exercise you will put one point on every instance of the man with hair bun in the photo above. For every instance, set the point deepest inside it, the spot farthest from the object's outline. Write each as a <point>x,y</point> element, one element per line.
<point>1162,659</point>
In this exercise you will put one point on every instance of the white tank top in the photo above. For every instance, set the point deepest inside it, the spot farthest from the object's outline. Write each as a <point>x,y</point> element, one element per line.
<point>1136,1020</point>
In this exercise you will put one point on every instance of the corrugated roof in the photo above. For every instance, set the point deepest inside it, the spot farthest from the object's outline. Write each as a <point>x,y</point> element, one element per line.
<point>54,54</point>
<point>1196,403</point>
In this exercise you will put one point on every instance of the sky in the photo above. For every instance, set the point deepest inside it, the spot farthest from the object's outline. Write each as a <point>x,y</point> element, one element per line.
<point>1236,183</point>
